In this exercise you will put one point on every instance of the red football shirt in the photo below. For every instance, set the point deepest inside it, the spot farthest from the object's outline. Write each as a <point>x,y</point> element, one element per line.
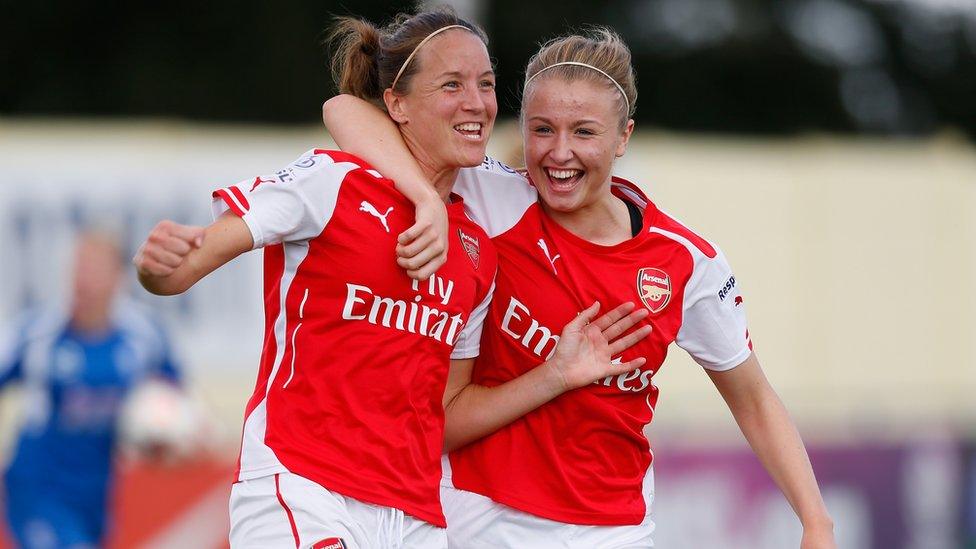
<point>583,457</point>
<point>356,354</point>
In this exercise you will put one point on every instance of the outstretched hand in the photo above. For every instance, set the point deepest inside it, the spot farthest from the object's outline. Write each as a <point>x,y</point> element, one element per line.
<point>166,247</point>
<point>422,248</point>
<point>587,346</point>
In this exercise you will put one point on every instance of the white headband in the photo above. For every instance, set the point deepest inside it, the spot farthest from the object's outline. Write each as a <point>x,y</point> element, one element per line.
<point>627,101</point>
<point>422,42</point>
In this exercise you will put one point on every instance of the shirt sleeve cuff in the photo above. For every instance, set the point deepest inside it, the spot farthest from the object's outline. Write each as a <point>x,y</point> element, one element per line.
<point>729,364</point>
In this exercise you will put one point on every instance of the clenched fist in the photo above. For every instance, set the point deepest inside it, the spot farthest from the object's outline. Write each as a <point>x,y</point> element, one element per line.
<point>166,247</point>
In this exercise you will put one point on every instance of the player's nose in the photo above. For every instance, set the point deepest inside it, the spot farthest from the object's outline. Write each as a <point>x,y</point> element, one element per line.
<point>472,100</point>
<point>561,150</point>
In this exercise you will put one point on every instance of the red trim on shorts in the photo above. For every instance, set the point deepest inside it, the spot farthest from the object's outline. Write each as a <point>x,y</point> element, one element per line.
<point>291,518</point>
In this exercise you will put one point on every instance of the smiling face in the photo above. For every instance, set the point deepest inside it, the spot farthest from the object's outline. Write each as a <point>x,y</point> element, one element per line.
<point>572,134</point>
<point>448,114</point>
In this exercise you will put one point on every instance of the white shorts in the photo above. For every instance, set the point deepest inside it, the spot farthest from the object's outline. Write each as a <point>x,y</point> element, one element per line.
<point>477,522</point>
<point>286,511</point>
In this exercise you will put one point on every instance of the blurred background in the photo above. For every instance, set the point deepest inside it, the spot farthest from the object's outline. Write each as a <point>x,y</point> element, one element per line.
<point>826,145</point>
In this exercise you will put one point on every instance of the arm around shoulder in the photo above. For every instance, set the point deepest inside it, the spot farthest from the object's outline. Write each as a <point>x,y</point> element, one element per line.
<point>360,128</point>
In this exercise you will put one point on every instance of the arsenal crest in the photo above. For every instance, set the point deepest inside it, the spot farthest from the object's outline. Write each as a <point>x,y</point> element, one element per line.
<point>654,288</point>
<point>470,245</point>
<point>330,543</point>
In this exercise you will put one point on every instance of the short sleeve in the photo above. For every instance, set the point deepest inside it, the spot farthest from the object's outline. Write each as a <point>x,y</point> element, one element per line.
<point>468,344</point>
<point>713,329</point>
<point>293,204</point>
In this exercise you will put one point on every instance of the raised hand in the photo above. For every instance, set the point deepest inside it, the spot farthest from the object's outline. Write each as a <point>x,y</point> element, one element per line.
<point>586,346</point>
<point>166,247</point>
<point>422,248</point>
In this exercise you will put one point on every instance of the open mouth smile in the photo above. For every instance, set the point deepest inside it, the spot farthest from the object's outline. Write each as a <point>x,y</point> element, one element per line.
<point>470,130</point>
<point>564,180</point>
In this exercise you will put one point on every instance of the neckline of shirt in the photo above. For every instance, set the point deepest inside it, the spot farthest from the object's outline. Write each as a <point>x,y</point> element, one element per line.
<point>625,190</point>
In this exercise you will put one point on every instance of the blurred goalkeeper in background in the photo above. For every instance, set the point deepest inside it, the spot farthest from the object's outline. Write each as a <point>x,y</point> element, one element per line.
<point>76,367</point>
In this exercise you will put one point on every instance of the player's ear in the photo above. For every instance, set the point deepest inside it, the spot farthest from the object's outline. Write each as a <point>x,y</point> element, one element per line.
<point>625,138</point>
<point>395,106</point>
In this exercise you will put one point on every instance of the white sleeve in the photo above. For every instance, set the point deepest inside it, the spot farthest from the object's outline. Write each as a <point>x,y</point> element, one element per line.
<point>468,344</point>
<point>713,329</point>
<point>292,205</point>
<point>495,196</point>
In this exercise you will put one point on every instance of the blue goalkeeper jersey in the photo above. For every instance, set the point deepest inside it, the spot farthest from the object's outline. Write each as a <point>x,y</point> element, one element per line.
<point>74,385</point>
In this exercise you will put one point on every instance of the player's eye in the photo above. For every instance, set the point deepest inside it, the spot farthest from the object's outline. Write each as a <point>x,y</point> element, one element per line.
<point>453,84</point>
<point>488,84</point>
<point>586,132</point>
<point>542,130</point>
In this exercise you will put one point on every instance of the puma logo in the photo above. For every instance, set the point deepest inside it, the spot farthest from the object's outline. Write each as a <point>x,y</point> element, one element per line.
<point>371,210</point>
<point>552,260</point>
